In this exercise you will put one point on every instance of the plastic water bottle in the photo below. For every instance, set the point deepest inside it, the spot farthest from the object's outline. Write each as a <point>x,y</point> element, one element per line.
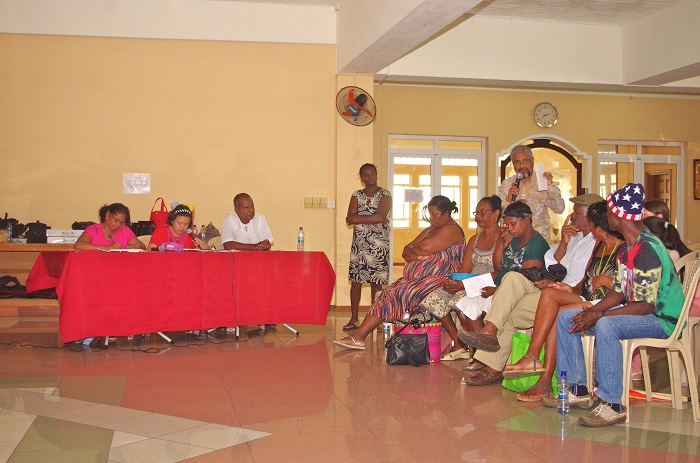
<point>300,239</point>
<point>203,233</point>
<point>563,394</point>
<point>387,330</point>
<point>407,314</point>
<point>9,232</point>
<point>195,231</point>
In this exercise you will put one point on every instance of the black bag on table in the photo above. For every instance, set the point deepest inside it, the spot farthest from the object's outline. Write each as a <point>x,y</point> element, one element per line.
<point>36,232</point>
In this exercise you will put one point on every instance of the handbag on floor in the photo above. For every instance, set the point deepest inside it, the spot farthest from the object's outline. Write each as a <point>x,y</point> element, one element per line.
<point>409,348</point>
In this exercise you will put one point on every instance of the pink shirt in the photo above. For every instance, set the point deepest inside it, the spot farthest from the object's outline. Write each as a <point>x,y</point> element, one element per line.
<point>163,234</point>
<point>121,236</point>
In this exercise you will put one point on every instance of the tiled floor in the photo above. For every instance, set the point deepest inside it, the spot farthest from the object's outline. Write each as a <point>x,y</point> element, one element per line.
<point>281,398</point>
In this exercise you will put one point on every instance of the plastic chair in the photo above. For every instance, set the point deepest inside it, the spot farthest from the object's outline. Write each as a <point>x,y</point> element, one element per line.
<point>588,342</point>
<point>145,239</point>
<point>215,242</point>
<point>691,263</point>
<point>677,343</point>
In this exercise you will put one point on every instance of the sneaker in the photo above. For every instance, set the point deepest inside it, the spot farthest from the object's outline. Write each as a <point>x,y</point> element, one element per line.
<point>584,402</point>
<point>603,415</point>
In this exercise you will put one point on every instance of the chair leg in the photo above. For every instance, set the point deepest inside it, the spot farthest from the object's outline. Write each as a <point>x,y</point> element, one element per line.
<point>692,380</point>
<point>645,372</point>
<point>674,373</point>
<point>588,344</point>
<point>627,350</point>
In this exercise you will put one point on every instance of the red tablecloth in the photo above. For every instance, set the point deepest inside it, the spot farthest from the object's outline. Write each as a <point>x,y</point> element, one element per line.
<point>120,293</point>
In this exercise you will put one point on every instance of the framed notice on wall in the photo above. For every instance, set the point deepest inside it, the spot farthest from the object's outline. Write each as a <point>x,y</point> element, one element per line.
<point>696,178</point>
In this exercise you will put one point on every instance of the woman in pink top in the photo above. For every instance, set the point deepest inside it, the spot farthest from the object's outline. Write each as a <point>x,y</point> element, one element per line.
<point>110,233</point>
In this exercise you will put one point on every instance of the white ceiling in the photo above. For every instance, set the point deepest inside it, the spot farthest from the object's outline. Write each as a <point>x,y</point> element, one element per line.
<point>583,11</point>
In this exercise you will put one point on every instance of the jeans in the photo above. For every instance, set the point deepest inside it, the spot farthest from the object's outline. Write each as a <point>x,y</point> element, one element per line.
<point>608,331</point>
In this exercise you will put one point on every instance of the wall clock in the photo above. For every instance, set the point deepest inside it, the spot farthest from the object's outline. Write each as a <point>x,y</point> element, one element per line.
<point>545,115</point>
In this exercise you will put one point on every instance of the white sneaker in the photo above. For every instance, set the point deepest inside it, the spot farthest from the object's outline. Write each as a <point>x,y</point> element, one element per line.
<point>603,415</point>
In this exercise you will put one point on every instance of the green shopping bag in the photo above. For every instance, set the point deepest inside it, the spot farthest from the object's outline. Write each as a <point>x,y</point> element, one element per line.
<point>521,342</point>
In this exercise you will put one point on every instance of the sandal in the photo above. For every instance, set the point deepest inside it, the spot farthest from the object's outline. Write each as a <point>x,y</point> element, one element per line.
<point>456,355</point>
<point>347,345</point>
<point>350,327</point>
<point>525,372</point>
<point>521,397</point>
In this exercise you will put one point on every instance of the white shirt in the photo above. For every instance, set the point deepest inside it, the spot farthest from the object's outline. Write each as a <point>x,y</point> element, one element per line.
<point>252,232</point>
<point>578,252</point>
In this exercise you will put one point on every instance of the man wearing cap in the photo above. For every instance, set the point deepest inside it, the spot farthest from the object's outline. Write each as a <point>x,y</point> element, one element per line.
<point>515,301</point>
<point>644,302</point>
<point>523,186</point>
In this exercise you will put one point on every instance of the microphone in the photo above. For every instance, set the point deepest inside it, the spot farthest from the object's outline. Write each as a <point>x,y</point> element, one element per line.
<point>192,235</point>
<point>518,177</point>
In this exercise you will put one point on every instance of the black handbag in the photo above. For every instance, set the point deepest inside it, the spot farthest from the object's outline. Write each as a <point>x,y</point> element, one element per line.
<point>36,232</point>
<point>407,349</point>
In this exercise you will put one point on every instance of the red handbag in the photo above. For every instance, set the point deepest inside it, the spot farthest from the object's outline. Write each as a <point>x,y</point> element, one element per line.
<point>159,217</point>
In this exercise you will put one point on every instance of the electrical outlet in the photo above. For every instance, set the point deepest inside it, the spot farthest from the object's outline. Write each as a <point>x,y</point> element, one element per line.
<point>324,203</point>
<point>317,203</point>
<point>308,202</point>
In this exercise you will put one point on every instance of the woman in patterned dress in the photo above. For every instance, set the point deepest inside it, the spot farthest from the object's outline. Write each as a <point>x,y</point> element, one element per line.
<point>435,252</point>
<point>483,255</point>
<point>369,254</point>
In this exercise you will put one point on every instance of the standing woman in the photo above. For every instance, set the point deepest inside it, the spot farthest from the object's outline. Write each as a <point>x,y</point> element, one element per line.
<point>369,254</point>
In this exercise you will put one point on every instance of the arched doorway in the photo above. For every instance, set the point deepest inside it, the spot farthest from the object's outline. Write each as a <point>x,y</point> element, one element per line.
<point>569,166</point>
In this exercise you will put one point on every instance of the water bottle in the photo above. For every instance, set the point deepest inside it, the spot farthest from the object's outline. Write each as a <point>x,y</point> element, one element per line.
<point>300,239</point>
<point>195,231</point>
<point>9,232</point>
<point>387,330</point>
<point>407,314</point>
<point>563,394</point>
<point>203,233</point>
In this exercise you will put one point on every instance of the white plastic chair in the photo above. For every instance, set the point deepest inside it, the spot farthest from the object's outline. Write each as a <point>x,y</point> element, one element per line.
<point>677,343</point>
<point>215,242</point>
<point>691,263</point>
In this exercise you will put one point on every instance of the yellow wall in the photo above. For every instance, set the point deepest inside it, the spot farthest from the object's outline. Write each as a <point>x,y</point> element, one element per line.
<point>210,119</point>
<point>504,117</point>
<point>206,119</point>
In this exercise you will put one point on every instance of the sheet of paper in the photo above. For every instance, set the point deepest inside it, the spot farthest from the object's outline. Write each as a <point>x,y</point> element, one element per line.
<point>541,181</point>
<point>473,285</point>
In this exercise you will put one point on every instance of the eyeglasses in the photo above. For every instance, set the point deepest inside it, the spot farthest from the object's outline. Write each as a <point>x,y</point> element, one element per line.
<point>481,212</point>
<point>117,222</point>
<point>524,161</point>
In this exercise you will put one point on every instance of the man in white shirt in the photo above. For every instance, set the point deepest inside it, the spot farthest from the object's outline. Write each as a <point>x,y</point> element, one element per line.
<point>515,302</point>
<point>243,229</point>
<point>576,243</point>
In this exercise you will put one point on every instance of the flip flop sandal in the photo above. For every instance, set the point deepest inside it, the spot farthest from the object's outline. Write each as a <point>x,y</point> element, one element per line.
<point>483,378</point>
<point>355,345</point>
<point>350,327</point>
<point>547,389</point>
<point>524,372</point>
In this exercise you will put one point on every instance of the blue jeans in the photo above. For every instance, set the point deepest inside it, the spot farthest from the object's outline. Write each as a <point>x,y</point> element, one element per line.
<point>608,331</point>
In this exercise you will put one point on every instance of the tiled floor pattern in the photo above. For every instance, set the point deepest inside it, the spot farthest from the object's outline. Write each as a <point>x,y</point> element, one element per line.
<point>280,398</point>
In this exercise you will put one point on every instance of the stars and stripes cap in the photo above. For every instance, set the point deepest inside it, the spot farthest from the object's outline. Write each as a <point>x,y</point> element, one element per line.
<point>628,202</point>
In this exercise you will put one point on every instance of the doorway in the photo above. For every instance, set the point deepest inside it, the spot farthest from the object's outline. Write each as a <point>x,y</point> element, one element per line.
<point>421,167</point>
